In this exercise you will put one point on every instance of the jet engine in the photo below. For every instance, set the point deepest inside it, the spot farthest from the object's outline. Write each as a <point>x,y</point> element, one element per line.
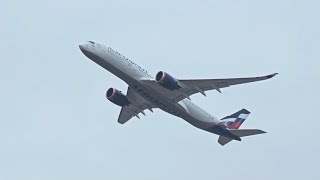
<point>116,97</point>
<point>167,81</point>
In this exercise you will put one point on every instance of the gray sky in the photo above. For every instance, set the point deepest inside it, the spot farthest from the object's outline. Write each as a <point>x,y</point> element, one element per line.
<point>55,122</point>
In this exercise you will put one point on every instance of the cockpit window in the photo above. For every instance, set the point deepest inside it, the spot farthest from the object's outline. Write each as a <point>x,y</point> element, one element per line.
<point>91,42</point>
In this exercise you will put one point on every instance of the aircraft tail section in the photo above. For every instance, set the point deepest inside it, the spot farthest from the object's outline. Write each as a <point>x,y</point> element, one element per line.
<point>235,120</point>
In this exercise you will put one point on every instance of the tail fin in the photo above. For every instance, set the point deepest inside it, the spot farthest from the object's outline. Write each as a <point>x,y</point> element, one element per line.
<point>235,120</point>
<point>240,133</point>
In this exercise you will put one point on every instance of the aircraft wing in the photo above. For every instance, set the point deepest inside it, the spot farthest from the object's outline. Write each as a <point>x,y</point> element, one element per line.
<point>190,87</point>
<point>137,105</point>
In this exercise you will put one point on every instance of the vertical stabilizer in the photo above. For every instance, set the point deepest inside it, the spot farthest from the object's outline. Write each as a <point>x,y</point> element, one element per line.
<point>235,120</point>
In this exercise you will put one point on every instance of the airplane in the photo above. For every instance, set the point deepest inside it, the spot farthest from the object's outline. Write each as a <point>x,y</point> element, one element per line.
<point>168,94</point>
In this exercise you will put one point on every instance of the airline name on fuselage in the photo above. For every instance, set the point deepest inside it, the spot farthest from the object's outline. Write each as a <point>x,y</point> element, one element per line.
<point>123,58</point>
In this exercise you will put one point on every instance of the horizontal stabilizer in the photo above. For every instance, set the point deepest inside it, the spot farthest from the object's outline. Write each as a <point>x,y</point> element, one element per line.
<point>224,140</point>
<point>246,132</point>
<point>240,133</point>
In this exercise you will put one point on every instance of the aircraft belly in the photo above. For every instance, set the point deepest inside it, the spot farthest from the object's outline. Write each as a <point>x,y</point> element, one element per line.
<point>158,100</point>
<point>176,109</point>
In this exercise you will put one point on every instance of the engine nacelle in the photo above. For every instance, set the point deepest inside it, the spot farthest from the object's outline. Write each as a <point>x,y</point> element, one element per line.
<point>167,81</point>
<point>116,97</point>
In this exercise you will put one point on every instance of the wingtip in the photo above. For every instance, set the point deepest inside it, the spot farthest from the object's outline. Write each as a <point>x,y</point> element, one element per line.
<point>262,132</point>
<point>272,75</point>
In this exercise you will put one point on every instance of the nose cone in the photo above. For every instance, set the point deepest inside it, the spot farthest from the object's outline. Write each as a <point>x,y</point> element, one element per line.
<point>82,47</point>
<point>87,50</point>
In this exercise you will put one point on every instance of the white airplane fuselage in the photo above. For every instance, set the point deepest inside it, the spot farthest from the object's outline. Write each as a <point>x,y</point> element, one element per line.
<point>133,75</point>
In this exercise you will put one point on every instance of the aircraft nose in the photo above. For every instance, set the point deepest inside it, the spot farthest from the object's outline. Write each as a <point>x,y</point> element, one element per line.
<point>82,47</point>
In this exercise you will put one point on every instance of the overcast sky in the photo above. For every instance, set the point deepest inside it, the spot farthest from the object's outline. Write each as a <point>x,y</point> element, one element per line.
<point>56,124</point>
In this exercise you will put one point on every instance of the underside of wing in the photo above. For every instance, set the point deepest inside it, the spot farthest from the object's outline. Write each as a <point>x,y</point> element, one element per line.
<point>210,84</point>
<point>137,105</point>
<point>193,86</point>
<point>127,112</point>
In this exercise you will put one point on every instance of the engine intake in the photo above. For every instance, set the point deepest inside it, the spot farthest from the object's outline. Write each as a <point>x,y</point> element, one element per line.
<point>167,81</point>
<point>116,97</point>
